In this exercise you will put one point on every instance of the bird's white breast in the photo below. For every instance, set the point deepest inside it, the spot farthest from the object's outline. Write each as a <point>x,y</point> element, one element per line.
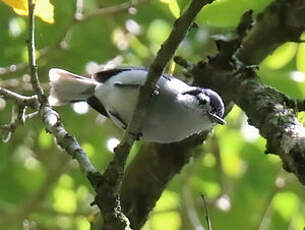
<point>169,119</point>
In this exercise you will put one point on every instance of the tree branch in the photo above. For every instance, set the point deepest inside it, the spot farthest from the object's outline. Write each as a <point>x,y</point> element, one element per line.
<point>62,41</point>
<point>280,22</point>
<point>111,10</point>
<point>265,107</point>
<point>50,118</point>
<point>31,53</point>
<point>30,101</point>
<point>13,68</point>
<point>206,212</point>
<point>143,183</point>
<point>108,197</point>
<point>18,115</point>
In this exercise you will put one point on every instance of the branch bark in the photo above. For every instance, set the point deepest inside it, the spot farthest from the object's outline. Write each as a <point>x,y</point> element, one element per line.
<point>108,197</point>
<point>282,21</point>
<point>267,109</point>
<point>31,54</point>
<point>144,183</point>
<point>50,118</point>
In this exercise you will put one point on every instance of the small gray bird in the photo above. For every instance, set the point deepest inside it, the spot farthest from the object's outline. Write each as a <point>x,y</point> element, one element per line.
<point>176,110</point>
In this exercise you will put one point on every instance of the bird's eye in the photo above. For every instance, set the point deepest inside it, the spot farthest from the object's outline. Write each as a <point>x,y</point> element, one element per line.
<point>202,101</point>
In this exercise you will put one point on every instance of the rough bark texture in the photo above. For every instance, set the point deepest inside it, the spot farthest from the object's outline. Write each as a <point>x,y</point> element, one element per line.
<point>267,109</point>
<point>282,21</point>
<point>109,185</point>
<point>149,173</point>
<point>228,73</point>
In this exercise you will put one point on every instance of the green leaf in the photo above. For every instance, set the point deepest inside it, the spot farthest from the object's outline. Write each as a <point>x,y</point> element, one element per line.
<point>45,140</point>
<point>158,31</point>
<point>301,55</point>
<point>171,220</point>
<point>230,146</point>
<point>286,204</point>
<point>227,13</point>
<point>182,4</point>
<point>64,200</point>
<point>210,188</point>
<point>281,56</point>
<point>168,200</point>
<point>89,149</point>
<point>301,117</point>
<point>82,223</point>
<point>174,8</point>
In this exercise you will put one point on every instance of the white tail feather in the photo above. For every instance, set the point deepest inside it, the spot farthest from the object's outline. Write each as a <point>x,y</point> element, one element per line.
<point>67,87</point>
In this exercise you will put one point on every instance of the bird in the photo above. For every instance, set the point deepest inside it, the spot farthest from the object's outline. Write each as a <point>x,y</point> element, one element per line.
<point>176,110</point>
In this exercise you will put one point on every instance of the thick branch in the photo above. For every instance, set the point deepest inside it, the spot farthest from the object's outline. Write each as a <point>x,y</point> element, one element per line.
<point>282,21</point>
<point>108,196</point>
<point>149,173</point>
<point>166,52</point>
<point>144,182</point>
<point>267,109</point>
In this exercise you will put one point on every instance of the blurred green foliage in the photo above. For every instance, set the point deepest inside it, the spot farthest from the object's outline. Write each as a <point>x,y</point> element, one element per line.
<point>42,188</point>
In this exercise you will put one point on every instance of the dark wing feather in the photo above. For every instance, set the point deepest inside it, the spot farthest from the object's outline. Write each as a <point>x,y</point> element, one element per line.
<point>106,74</point>
<point>97,105</point>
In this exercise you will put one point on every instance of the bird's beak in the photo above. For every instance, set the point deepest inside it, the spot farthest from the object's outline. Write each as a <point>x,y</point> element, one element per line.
<point>216,119</point>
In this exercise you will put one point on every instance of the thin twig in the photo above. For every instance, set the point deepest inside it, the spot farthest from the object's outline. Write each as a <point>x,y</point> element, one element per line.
<point>190,208</point>
<point>18,114</point>
<point>18,98</point>
<point>66,141</point>
<point>219,165</point>
<point>50,117</point>
<point>18,118</point>
<point>31,53</point>
<point>112,9</point>
<point>266,211</point>
<point>207,217</point>
<point>31,115</point>
<point>12,68</point>
<point>64,39</point>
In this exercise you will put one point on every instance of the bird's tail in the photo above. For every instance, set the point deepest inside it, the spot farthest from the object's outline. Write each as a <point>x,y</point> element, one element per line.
<point>67,87</point>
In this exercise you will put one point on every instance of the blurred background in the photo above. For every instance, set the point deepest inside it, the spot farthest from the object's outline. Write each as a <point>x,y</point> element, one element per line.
<point>42,188</point>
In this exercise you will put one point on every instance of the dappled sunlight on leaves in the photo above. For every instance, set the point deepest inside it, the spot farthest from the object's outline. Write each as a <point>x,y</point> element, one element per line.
<point>301,55</point>
<point>168,220</point>
<point>173,7</point>
<point>227,13</point>
<point>281,56</point>
<point>65,200</point>
<point>44,9</point>
<point>286,204</point>
<point>231,169</point>
<point>158,31</point>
